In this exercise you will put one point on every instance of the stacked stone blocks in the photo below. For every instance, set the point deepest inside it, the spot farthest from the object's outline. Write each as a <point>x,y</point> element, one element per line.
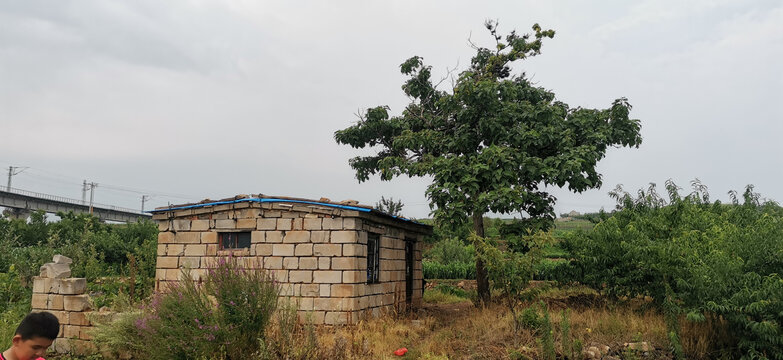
<point>318,253</point>
<point>56,292</point>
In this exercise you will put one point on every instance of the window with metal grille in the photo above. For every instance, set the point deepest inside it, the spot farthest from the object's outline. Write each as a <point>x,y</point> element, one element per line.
<point>373,257</point>
<point>234,240</point>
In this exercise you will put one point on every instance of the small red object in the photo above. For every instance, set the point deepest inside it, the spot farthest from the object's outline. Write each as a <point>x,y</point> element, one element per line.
<point>400,351</point>
<point>40,358</point>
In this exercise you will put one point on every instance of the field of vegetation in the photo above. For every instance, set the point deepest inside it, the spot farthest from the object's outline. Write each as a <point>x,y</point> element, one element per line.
<point>678,276</point>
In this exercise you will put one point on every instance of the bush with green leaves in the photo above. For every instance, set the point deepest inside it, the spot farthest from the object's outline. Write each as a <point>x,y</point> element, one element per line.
<point>224,317</point>
<point>694,258</point>
<point>98,250</point>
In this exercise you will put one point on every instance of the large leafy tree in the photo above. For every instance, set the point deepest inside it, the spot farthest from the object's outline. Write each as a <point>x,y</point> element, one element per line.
<point>493,141</point>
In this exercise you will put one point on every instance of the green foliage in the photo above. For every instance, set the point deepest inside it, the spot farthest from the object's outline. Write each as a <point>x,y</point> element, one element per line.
<point>511,272</point>
<point>493,139</point>
<point>225,317</point>
<point>98,250</point>
<point>390,206</point>
<point>693,257</point>
<point>453,270</point>
<point>10,318</point>
<point>451,250</point>
<point>11,289</point>
<point>450,259</point>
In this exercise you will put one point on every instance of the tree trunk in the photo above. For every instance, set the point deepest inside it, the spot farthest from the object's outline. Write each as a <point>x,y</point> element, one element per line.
<point>482,280</point>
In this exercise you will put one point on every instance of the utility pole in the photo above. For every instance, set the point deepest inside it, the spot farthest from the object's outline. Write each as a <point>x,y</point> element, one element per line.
<point>84,192</point>
<point>144,198</point>
<point>13,170</point>
<point>92,193</point>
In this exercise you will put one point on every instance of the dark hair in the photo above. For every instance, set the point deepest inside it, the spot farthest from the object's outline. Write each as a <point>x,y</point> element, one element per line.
<point>39,324</point>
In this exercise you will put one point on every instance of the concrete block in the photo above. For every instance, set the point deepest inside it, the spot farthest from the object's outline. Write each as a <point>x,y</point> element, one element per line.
<point>324,290</point>
<point>354,250</point>
<point>284,224</point>
<point>167,262</point>
<point>42,285</point>
<point>165,237</point>
<point>266,224</point>
<point>257,237</point>
<point>181,225</point>
<point>283,250</point>
<point>40,301</point>
<point>345,263</point>
<point>279,275</point>
<point>327,276</point>
<point>336,318</point>
<point>344,236</point>
<point>190,262</point>
<point>309,290</point>
<point>350,277</point>
<point>346,290</point>
<point>76,302</point>
<point>291,263</point>
<point>305,304</point>
<point>246,224</point>
<point>55,271</point>
<point>62,318</point>
<point>296,236</point>
<point>174,250</point>
<point>273,262</point>
<point>196,250</point>
<point>297,224</point>
<point>264,249</point>
<point>73,286</point>
<point>319,237</point>
<point>188,237</point>
<point>303,250</point>
<point>172,274</point>
<point>71,332</point>
<point>60,259</point>
<point>209,237</point>
<point>225,224</point>
<point>212,249</point>
<point>327,304</point>
<point>317,317</point>
<point>300,276</point>
<point>327,249</point>
<point>161,250</point>
<point>324,263</point>
<point>199,225</point>
<point>312,223</point>
<point>352,224</point>
<point>163,225</point>
<point>274,236</point>
<point>332,223</point>
<point>308,263</point>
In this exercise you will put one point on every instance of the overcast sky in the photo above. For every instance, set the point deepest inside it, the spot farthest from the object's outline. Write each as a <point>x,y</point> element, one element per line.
<point>187,100</point>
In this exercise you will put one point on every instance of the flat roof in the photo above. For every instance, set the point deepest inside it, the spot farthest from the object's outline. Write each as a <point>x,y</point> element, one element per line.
<point>260,198</point>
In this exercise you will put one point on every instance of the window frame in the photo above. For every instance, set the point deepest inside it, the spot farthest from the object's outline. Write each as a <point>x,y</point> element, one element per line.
<point>221,243</point>
<point>373,258</point>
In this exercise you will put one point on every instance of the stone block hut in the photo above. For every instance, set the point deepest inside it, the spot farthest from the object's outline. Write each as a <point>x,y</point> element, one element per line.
<point>342,261</point>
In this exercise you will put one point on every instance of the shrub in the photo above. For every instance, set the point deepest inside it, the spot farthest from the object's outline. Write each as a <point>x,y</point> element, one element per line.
<point>226,316</point>
<point>453,270</point>
<point>696,259</point>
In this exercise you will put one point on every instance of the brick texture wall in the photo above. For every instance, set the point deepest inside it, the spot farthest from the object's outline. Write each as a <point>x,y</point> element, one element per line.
<point>318,253</point>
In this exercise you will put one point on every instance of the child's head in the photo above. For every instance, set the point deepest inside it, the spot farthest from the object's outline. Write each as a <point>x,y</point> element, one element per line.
<point>34,335</point>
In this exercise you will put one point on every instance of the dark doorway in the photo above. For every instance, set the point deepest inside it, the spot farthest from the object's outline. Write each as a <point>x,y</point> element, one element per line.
<point>409,246</point>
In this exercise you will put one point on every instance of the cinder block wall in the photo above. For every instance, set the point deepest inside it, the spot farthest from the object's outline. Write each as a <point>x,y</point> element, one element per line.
<point>318,253</point>
<point>54,291</point>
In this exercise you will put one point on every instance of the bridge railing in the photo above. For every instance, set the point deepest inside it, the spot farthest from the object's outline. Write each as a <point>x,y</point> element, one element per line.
<point>70,201</point>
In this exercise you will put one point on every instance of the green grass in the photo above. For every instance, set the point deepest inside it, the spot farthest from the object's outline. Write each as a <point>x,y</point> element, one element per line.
<point>440,297</point>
